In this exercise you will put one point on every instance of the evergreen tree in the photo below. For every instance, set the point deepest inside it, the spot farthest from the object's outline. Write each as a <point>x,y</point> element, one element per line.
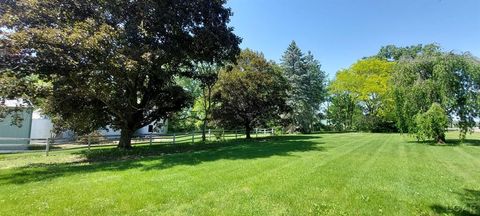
<point>308,88</point>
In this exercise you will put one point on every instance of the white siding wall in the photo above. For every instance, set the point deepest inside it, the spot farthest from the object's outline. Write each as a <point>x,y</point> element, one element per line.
<point>144,130</point>
<point>41,128</point>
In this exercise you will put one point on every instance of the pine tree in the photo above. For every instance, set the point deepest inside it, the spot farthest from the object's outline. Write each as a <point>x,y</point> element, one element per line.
<point>307,88</point>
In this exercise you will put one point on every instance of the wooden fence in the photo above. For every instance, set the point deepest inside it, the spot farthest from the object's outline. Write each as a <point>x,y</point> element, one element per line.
<point>89,141</point>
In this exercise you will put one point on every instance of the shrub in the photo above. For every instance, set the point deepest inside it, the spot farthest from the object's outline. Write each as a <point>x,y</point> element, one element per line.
<point>432,124</point>
<point>95,138</point>
<point>218,134</point>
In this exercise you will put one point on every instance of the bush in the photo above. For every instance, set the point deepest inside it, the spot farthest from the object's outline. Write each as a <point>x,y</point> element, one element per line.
<point>218,134</point>
<point>432,124</point>
<point>95,138</point>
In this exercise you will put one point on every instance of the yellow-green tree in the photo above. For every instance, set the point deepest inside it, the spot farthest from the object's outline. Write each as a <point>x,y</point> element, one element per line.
<point>368,82</point>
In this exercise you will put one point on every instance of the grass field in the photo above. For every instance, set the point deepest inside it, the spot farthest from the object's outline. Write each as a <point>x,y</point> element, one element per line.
<point>322,174</point>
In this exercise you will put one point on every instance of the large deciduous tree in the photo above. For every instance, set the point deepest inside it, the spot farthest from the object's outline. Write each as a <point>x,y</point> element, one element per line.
<point>340,111</point>
<point>395,53</point>
<point>30,89</point>
<point>450,79</point>
<point>114,62</point>
<point>308,90</point>
<point>251,93</point>
<point>368,83</point>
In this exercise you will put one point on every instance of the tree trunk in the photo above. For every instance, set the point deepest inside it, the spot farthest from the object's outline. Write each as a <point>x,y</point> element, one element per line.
<point>204,128</point>
<point>248,130</point>
<point>125,139</point>
<point>207,104</point>
<point>440,139</point>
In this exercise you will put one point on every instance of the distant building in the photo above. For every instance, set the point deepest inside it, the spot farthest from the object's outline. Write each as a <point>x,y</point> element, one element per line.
<point>24,112</point>
<point>36,125</point>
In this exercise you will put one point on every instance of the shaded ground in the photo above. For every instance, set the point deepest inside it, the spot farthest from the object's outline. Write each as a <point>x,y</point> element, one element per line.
<point>326,174</point>
<point>161,157</point>
<point>471,204</point>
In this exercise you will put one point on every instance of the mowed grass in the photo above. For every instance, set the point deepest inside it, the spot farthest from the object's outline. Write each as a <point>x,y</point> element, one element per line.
<point>321,174</point>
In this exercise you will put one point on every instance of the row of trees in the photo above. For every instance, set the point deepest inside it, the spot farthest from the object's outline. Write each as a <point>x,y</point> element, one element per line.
<point>254,92</point>
<point>112,63</point>
<point>126,64</point>
<point>408,89</point>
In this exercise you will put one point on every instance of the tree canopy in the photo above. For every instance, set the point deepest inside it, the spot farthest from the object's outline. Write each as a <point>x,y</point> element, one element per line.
<point>114,62</point>
<point>308,91</point>
<point>400,84</point>
<point>251,93</point>
<point>341,111</point>
<point>368,84</point>
<point>127,64</point>
<point>30,89</point>
<point>446,78</point>
<point>432,124</point>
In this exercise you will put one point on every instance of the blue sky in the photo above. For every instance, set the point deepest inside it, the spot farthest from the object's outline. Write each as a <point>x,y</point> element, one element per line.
<point>339,32</point>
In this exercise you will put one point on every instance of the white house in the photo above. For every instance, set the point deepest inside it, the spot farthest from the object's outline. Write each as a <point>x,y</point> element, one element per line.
<point>36,125</point>
<point>16,132</point>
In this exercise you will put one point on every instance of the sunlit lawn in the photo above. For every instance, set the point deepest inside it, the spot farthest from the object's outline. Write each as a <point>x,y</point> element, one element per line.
<point>321,174</point>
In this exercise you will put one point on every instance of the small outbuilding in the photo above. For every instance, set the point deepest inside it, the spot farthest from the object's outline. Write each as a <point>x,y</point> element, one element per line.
<point>21,110</point>
<point>34,124</point>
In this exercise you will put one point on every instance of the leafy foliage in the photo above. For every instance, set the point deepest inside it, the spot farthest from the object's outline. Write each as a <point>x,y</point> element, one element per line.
<point>446,78</point>
<point>207,74</point>
<point>367,83</point>
<point>394,53</point>
<point>432,124</point>
<point>251,93</point>
<point>308,91</point>
<point>401,83</point>
<point>114,62</point>
<point>201,87</point>
<point>186,119</point>
<point>31,90</point>
<point>341,110</point>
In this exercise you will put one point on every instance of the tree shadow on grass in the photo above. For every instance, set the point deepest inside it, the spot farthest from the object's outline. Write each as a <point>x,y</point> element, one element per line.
<point>42,147</point>
<point>468,142</point>
<point>243,150</point>
<point>162,157</point>
<point>471,205</point>
<point>451,142</point>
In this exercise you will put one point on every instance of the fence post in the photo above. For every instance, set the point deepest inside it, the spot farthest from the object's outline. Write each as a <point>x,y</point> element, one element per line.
<point>47,146</point>
<point>256,132</point>
<point>173,138</point>
<point>89,141</point>
<point>235,134</point>
<point>193,136</point>
<point>273,132</point>
<point>209,135</point>
<point>150,138</point>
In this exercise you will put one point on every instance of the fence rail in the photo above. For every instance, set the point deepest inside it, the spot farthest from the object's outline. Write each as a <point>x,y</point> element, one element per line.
<point>11,144</point>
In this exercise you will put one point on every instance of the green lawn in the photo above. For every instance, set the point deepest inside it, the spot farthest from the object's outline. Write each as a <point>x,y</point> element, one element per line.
<point>322,174</point>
